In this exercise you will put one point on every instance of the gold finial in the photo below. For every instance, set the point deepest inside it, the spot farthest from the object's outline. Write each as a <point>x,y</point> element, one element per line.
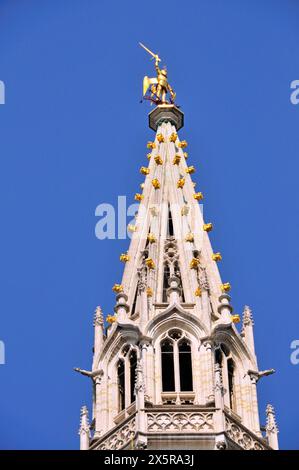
<point>226,287</point>
<point>235,318</point>
<point>159,85</point>
<point>111,318</point>
<point>150,263</point>
<point>117,288</point>
<point>124,257</point>
<point>217,256</point>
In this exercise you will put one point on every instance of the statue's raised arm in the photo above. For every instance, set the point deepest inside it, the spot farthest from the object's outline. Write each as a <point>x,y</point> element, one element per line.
<point>159,85</point>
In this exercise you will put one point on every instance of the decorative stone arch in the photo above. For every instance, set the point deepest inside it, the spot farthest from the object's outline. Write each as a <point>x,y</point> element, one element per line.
<point>192,332</point>
<point>237,347</point>
<point>243,361</point>
<point>121,352</point>
<point>175,315</point>
<point>125,356</point>
<point>174,336</point>
<point>121,334</point>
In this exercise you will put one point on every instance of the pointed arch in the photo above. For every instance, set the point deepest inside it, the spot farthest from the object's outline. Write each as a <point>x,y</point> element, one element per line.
<point>224,358</point>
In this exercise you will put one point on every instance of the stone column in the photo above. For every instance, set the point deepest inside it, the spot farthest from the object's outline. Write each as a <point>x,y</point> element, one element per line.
<point>102,404</point>
<point>254,406</point>
<point>198,372</point>
<point>121,308</point>
<point>207,372</point>
<point>158,375</point>
<point>150,373</point>
<point>205,301</point>
<point>98,324</point>
<point>174,290</point>
<point>225,309</point>
<point>141,439</point>
<point>141,285</point>
<point>219,417</point>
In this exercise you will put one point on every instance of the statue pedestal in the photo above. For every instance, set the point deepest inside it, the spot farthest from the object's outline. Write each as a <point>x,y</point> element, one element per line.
<point>166,113</point>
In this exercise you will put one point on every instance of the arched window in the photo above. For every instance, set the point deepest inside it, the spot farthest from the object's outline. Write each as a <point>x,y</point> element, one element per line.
<point>121,384</point>
<point>223,357</point>
<point>176,362</point>
<point>126,376</point>
<point>167,366</point>
<point>133,363</point>
<point>185,366</point>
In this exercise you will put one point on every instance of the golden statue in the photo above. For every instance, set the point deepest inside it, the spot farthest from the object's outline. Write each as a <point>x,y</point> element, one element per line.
<point>159,85</point>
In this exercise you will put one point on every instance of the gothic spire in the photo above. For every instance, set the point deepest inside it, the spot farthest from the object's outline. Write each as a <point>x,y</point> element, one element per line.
<point>84,430</point>
<point>247,328</point>
<point>271,427</point>
<point>172,341</point>
<point>98,317</point>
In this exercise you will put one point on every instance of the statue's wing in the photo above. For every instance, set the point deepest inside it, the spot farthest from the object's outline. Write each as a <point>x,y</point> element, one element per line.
<point>147,82</point>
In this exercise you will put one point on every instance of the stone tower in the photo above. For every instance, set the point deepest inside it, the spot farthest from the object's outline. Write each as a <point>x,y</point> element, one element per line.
<point>171,371</point>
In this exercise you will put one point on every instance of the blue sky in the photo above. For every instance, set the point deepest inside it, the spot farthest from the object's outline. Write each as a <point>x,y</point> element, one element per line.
<point>73,135</point>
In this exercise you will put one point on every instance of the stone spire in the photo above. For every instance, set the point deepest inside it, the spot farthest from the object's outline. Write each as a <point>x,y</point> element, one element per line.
<point>173,325</point>
<point>98,323</point>
<point>271,427</point>
<point>98,319</point>
<point>84,430</point>
<point>247,329</point>
<point>169,239</point>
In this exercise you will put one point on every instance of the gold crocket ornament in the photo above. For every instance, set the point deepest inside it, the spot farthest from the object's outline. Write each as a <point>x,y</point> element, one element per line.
<point>159,85</point>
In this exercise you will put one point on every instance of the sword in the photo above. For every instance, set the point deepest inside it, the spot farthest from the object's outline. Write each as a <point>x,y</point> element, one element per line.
<point>155,56</point>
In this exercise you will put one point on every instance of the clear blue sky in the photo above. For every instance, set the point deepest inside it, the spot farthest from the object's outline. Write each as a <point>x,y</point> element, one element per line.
<point>73,135</point>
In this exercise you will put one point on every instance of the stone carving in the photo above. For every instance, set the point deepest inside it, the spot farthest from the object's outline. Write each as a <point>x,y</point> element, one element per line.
<point>218,387</point>
<point>120,438</point>
<point>171,256</point>
<point>241,437</point>
<point>84,421</point>
<point>271,426</point>
<point>95,375</point>
<point>139,380</point>
<point>221,445</point>
<point>203,279</point>
<point>180,422</point>
<point>98,317</point>
<point>247,317</point>
<point>142,278</point>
